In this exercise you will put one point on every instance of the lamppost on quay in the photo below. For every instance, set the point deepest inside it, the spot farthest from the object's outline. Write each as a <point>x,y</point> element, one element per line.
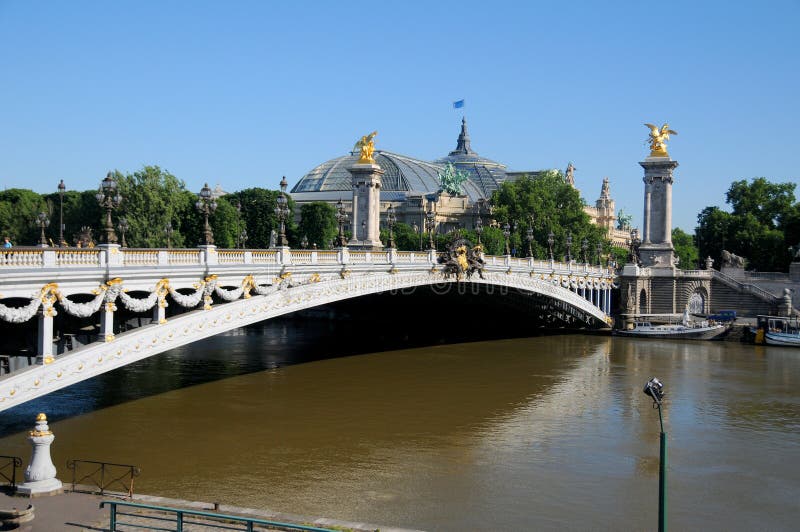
<point>122,225</point>
<point>584,251</point>
<point>430,225</point>
<point>655,389</point>
<point>109,198</point>
<point>168,230</point>
<point>206,205</point>
<point>42,221</point>
<point>390,221</point>
<point>506,235</point>
<point>551,239</point>
<point>599,250</point>
<point>341,219</point>
<point>479,229</point>
<point>61,188</point>
<point>530,241</point>
<point>568,244</point>
<point>282,212</point>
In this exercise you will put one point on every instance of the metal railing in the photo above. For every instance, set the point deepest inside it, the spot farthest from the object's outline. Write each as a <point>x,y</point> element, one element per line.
<point>9,463</point>
<point>179,517</point>
<point>104,475</point>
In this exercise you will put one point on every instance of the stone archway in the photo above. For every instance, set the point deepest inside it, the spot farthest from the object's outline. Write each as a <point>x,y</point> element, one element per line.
<point>643,309</point>
<point>698,301</point>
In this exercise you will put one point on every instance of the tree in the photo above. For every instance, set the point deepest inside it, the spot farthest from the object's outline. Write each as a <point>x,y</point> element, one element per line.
<point>258,214</point>
<point>555,206</point>
<point>18,210</point>
<point>761,226</point>
<point>318,223</point>
<point>685,249</point>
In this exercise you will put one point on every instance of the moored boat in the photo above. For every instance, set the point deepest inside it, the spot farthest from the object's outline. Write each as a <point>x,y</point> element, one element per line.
<point>687,329</point>
<point>778,330</point>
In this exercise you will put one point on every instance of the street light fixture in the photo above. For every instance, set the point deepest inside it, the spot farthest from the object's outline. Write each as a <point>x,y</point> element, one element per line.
<point>551,239</point>
<point>599,253</point>
<point>655,389</point>
<point>42,221</point>
<point>206,205</point>
<point>341,219</point>
<point>282,212</point>
<point>390,221</point>
<point>304,242</point>
<point>430,225</point>
<point>61,188</point>
<point>568,244</point>
<point>109,198</point>
<point>584,251</point>
<point>506,235</point>
<point>243,237</point>
<point>123,227</point>
<point>168,230</point>
<point>479,229</point>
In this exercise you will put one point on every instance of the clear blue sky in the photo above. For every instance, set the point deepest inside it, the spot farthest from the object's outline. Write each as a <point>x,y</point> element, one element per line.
<point>241,93</point>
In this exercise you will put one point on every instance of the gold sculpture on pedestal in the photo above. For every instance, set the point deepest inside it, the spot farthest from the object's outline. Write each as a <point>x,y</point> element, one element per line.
<point>658,138</point>
<point>367,147</point>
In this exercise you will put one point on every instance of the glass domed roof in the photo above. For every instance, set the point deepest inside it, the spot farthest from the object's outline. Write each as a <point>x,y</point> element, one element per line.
<point>402,175</point>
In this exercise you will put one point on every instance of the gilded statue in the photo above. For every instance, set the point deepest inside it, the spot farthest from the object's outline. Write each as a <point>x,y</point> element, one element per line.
<point>658,140</point>
<point>366,145</point>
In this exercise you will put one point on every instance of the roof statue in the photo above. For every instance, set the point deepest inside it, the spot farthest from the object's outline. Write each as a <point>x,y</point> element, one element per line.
<point>569,175</point>
<point>624,220</point>
<point>453,180</point>
<point>658,140</point>
<point>605,191</point>
<point>366,145</point>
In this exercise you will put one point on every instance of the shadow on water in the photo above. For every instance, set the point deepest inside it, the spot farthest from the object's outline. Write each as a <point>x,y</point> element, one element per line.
<point>369,324</point>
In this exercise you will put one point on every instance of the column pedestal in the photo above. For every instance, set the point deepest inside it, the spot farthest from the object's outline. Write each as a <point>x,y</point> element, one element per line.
<point>366,207</point>
<point>656,250</point>
<point>40,475</point>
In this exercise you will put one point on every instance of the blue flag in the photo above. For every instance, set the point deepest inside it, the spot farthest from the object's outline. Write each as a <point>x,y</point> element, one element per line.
<point>458,105</point>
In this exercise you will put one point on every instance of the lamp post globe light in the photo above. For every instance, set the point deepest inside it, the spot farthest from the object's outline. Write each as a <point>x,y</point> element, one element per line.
<point>123,227</point>
<point>109,198</point>
<point>282,213</point>
<point>61,188</point>
<point>42,221</point>
<point>654,388</point>
<point>390,221</point>
<point>551,239</point>
<point>341,219</point>
<point>206,205</point>
<point>430,225</point>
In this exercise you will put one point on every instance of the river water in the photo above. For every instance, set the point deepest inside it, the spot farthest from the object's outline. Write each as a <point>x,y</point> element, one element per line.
<point>541,433</point>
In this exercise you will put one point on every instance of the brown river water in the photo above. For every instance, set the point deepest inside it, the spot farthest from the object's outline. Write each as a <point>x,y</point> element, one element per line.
<point>544,433</point>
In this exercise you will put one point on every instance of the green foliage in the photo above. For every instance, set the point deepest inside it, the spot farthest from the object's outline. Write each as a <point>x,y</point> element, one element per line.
<point>685,249</point>
<point>763,224</point>
<point>318,224</point>
<point>258,214</point>
<point>18,211</point>
<point>619,255</point>
<point>405,238</point>
<point>555,206</point>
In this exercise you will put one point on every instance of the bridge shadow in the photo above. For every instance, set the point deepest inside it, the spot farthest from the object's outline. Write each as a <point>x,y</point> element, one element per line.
<point>429,315</point>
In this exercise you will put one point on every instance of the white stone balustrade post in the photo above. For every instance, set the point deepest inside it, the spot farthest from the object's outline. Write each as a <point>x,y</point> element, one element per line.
<point>40,475</point>
<point>391,255</point>
<point>432,256</point>
<point>313,257</point>
<point>343,255</point>
<point>110,255</point>
<point>107,321</point>
<point>48,258</point>
<point>248,257</point>
<point>284,255</point>
<point>208,255</point>
<point>163,257</point>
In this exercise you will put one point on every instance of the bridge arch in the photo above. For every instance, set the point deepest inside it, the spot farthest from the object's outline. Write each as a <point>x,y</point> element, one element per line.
<point>183,329</point>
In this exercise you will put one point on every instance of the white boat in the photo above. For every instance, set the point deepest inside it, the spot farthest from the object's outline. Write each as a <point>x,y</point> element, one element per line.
<point>778,330</point>
<point>687,329</point>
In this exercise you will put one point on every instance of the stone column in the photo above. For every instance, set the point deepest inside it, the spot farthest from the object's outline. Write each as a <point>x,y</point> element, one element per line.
<point>44,344</point>
<point>107,321</point>
<point>366,206</point>
<point>656,249</point>
<point>40,475</point>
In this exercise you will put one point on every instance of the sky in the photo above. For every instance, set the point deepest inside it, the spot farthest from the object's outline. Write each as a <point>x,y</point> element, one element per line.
<point>242,93</point>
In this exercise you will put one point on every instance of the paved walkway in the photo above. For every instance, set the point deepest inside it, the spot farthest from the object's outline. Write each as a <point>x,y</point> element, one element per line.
<point>74,512</point>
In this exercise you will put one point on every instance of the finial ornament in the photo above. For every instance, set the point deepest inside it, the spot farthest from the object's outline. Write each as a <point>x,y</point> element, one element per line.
<point>658,139</point>
<point>367,147</point>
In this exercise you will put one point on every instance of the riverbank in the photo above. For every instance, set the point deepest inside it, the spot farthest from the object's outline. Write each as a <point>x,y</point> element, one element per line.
<point>79,510</point>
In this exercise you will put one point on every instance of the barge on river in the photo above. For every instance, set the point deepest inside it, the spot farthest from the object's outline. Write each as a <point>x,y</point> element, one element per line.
<point>778,330</point>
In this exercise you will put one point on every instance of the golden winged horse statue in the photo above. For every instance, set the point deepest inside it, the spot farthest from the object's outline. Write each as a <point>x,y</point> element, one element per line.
<point>658,139</point>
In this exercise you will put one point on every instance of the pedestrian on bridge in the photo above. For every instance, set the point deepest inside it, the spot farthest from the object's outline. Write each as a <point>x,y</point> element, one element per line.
<point>7,242</point>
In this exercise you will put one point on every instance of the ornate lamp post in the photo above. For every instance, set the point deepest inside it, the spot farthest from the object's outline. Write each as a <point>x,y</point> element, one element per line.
<point>430,225</point>
<point>206,205</point>
<point>282,212</point>
<point>530,241</point>
<point>599,250</point>
<point>243,237</point>
<point>61,188</point>
<point>584,251</point>
<point>168,230</point>
<point>551,239</point>
<point>341,219</point>
<point>390,221</point>
<point>304,242</point>
<point>506,235</point>
<point>479,229</point>
<point>633,254</point>
<point>655,389</point>
<point>109,198</point>
<point>122,225</point>
<point>568,244</point>
<point>42,221</point>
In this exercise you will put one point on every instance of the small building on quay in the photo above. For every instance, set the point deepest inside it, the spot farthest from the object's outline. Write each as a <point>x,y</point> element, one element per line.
<point>414,187</point>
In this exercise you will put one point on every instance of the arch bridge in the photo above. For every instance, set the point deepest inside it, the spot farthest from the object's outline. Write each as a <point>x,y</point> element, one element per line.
<point>222,289</point>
